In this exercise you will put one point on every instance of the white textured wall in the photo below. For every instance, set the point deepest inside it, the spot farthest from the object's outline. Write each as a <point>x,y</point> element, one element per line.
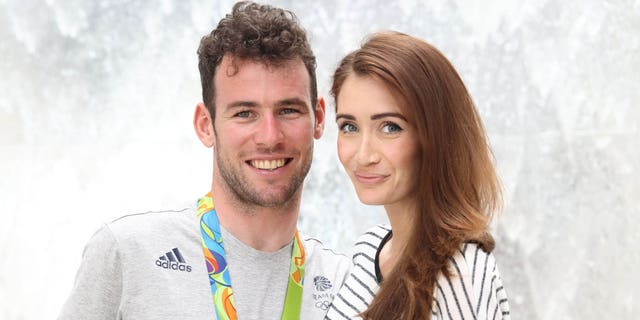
<point>96,101</point>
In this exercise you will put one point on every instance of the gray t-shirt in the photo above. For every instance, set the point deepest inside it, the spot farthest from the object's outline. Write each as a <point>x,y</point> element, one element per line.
<point>151,266</point>
<point>259,278</point>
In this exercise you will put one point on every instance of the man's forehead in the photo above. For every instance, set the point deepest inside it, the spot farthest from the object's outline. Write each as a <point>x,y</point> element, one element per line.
<point>244,81</point>
<point>231,65</point>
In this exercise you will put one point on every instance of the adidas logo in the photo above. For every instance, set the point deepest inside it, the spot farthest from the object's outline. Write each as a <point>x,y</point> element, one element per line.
<point>173,260</point>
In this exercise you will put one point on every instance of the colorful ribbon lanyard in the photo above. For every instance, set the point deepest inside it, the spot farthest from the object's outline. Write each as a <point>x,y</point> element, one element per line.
<point>219,272</point>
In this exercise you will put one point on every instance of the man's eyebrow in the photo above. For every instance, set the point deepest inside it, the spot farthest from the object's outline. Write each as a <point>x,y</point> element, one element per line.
<point>281,103</point>
<point>388,114</point>
<point>344,116</point>
<point>292,102</point>
<point>236,104</point>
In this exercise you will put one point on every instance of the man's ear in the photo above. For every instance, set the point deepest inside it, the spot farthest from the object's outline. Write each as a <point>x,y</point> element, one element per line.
<point>320,113</point>
<point>203,125</point>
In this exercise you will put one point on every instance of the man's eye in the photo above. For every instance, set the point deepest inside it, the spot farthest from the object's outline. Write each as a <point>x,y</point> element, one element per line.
<point>390,128</point>
<point>348,127</point>
<point>243,114</point>
<point>289,111</point>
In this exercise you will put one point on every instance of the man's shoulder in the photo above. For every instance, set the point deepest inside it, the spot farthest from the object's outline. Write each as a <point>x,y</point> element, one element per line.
<point>315,247</point>
<point>146,236</point>
<point>142,229</point>
<point>325,272</point>
<point>323,261</point>
<point>149,220</point>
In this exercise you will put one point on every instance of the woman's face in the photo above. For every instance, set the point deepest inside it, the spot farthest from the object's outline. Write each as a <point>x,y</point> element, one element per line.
<point>377,145</point>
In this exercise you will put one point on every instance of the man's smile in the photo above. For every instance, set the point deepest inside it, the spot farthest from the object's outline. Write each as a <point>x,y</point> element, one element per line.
<point>270,164</point>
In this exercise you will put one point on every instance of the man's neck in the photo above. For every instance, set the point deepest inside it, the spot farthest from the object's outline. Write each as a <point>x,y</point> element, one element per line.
<point>264,229</point>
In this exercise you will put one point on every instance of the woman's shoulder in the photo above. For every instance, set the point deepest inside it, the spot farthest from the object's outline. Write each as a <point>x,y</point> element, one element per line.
<point>375,233</point>
<point>474,264</point>
<point>373,236</point>
<point>368,243</point>
<point>475,283</point>
<point>475,256</point>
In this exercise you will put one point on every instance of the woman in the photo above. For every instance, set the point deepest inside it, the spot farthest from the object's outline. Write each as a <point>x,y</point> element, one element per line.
<point>410,139</point>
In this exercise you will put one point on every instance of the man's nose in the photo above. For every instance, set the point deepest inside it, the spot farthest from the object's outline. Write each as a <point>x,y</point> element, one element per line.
<point>269,132</point>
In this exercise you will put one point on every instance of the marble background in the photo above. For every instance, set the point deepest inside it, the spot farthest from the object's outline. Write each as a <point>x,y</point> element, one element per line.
<point>96,100</point>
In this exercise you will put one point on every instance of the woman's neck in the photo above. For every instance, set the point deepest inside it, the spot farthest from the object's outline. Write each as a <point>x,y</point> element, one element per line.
<point>402,218</point>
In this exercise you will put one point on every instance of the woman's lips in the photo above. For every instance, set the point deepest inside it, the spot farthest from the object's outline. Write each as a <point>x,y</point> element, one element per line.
<point>370,178</point>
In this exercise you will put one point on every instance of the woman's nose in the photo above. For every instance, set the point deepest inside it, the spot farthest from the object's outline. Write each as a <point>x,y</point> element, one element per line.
<point>367,151</point>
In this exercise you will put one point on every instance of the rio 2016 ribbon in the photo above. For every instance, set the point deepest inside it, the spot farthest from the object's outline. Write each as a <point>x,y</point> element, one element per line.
<point>218,270</point>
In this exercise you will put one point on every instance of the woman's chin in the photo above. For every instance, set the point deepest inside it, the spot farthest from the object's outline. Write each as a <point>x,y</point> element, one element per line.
<point>371,200</point>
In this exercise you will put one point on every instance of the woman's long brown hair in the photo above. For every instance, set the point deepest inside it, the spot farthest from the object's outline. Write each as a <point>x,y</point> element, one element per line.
<point>458,189</point>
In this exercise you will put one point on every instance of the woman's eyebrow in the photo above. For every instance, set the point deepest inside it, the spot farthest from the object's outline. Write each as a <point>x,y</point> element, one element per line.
<point>388,114</point>
<point>345,116</point>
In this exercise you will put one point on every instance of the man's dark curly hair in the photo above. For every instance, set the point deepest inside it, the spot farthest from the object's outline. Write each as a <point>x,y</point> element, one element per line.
<point>255,32</point>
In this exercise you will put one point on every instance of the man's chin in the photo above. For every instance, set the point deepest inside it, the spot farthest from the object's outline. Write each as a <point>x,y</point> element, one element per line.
<point>273,201</point>
<point>274,196</point>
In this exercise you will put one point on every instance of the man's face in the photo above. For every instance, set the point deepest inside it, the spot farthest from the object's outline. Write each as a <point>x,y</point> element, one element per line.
<point>264,131</point>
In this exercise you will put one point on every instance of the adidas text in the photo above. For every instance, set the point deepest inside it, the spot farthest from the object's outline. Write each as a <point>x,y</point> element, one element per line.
<point>173,260</point>
<point>173,266</point>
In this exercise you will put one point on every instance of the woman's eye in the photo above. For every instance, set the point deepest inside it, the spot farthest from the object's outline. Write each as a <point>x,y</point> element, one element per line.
<point>348,128</point>
<point>391,127</point>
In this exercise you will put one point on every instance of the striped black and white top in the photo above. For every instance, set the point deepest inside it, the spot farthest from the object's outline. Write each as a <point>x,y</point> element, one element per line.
<point>474,291</point>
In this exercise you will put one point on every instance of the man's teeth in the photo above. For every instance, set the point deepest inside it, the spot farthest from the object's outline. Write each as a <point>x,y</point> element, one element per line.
<point>267,164</point>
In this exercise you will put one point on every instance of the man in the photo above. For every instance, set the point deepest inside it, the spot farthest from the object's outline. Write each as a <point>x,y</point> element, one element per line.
<point>236,253</point>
